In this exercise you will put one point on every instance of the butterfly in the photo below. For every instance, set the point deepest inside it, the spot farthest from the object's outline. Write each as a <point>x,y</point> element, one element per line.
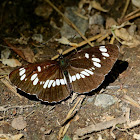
<point>55,80</point>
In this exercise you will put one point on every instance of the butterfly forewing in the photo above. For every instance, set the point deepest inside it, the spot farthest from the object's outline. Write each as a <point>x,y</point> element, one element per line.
<point>88,67</point>
<point>45,80</point>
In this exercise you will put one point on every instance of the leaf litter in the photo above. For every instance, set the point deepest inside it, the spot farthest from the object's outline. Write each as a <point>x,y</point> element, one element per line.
<point>115,31</point>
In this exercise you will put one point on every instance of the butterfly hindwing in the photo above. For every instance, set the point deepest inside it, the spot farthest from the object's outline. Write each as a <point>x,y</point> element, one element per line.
<point>89,67</point>
<point>45,80</point>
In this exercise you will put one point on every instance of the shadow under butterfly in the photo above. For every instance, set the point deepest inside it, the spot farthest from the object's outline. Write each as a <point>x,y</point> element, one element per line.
<point>53,81</point>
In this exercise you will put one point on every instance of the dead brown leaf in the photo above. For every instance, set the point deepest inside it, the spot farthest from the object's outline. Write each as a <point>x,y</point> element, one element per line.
<point>11,62</point>
<point>25,53</point>
<point>10,137</point>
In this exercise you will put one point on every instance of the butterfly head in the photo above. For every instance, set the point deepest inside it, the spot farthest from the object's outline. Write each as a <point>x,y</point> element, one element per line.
<point>63,62</point>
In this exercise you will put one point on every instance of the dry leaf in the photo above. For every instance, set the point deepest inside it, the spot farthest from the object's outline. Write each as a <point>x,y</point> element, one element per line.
<point>123,34</point>
<point>107,118</point>
<point>136,136</point>
<point>5,53</point>
<point>23,40</point>
<point>136,3</point>
<point>10,137</point>
<point>110,22</point>
<point>64,40</point>
<point>11,62</point>
<point>97,6</point>
<point>29,55</point>
<point>38,37</point>
<point>92,4</point>
<point>26,53</point>
<point>126,37</point>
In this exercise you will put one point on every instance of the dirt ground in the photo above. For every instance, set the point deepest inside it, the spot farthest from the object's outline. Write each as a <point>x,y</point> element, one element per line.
<point>24,117</point>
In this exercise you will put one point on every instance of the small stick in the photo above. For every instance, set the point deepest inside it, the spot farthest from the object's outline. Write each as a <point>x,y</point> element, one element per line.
<point>103,37</point>
<point>125,8</point>
<point>132,17</point>
<point>71,114</point>
<point>75,108</point>
<point>102,125</point>
<point>112,40</point>
<point>132,13</point>
<point>4,108</point>
<point>129,100</point>
<point>77,46</point>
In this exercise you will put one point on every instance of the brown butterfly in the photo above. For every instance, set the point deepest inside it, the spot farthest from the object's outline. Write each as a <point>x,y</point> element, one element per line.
<point>55,80</point>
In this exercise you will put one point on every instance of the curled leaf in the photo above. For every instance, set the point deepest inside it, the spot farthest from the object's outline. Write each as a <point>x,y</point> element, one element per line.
<point>11,62</point>
<point>97,6</point>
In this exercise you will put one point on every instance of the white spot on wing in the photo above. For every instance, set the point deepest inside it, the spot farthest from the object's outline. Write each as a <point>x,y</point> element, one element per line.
<point>78,76</point>
<point>39,69</point>
<point>46,83</point>
<point>22,71</point>
<point>86,55</point>
<point>105,54</point>
<point>83,76</point>
<point>90,72</point>
<point>93,68</point>
<point>70,78</point>
<point>50,83</point>
<point>102,49</point>
<point>96,59</point>
<point>62,81</point>
<point>57,82</point>
<point>97,64</point>
<point>23,77</point>
<point>33,76</point>
<point>73,78</point>
<point>85,73</point>
<point>35,81</point>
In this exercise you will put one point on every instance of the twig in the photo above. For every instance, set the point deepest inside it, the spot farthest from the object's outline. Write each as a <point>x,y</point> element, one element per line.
<point>70,115</point>
<point>101,126</point>
<point>112,40</point>
<point>132,13</point>
<point>129,100</point>
<point>125,8</point>
<point>132,17</point>
<point>5,108</point>
<point>10,136</point>
<point>75,108</point>
<point>30,113</point>
<point>69,22</point>
<point>78,45</point>
<point>103,37</point>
